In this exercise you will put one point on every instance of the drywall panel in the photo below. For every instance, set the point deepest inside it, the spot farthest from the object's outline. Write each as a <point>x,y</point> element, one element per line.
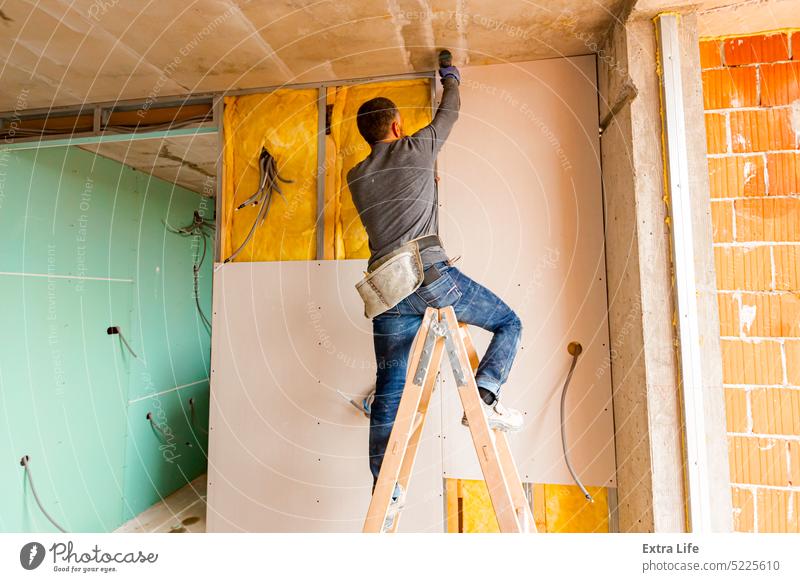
<point>286,452</point>
<point>521,203</point>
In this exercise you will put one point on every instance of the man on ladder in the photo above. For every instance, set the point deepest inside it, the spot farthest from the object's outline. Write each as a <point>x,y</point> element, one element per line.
<point>395,192</point>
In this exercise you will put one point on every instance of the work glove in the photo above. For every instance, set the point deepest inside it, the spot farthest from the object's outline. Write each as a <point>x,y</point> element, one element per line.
<point>450,71</point>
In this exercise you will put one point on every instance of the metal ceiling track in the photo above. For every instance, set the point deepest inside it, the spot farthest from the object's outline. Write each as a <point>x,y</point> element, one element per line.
<point>137,119</point>
<point>107,122</point>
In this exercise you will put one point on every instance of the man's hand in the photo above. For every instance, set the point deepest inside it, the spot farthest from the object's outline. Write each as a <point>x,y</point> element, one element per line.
<point>450,71</point>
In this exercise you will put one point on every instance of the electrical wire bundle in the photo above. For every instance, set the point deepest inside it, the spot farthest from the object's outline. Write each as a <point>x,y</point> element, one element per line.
<point>267,182</point>
<point>204,229</point>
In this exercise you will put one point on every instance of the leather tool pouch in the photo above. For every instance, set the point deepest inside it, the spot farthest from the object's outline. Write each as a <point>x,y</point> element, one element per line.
<point>392,279</point>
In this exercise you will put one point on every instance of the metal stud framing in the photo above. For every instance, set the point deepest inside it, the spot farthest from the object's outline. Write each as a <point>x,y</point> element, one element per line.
<point>683,259</point>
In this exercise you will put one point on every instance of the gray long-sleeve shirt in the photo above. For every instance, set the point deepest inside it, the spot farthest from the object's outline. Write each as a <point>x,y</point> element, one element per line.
<point>394,189</point>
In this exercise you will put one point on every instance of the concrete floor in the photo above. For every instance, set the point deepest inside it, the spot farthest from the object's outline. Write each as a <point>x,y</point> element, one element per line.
<point>182,512</point>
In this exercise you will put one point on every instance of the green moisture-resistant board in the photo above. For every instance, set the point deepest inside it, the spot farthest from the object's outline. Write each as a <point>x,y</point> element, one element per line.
<point>84,247</point>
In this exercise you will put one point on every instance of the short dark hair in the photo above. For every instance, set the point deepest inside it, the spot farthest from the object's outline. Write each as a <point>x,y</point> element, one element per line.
<point>375,118</point>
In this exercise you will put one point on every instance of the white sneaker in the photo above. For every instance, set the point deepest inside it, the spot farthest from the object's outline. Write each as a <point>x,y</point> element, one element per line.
<point>398,503</point>
<point>499,417</point>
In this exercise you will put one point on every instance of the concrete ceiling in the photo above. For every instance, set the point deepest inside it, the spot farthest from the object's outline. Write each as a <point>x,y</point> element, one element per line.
<point>68,52</point>
<point>65,52</point>
<point>187,161</point>
<point>748,16</point>
<point>728,17</point>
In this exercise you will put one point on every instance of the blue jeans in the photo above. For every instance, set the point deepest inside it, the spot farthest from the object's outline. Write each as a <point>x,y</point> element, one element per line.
<point>394,330</point>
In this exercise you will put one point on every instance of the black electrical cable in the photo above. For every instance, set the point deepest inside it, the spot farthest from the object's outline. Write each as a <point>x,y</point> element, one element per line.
<point>262,182</point>
<point>115,330</point>
<point>127,345</point>
<point>575,349</point>
<point>199,227</point>
<point>262,213</point>
<point>156,426</point>
<point>25,461</point>
<point>194,417</point>
<point>196,274</point>
<point>267,184</point>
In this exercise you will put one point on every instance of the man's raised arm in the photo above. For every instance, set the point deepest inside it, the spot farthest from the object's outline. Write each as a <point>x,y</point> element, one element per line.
<point>446,114</point>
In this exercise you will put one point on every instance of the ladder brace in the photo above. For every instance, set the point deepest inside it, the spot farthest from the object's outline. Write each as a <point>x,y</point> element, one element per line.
<point>440,331</point>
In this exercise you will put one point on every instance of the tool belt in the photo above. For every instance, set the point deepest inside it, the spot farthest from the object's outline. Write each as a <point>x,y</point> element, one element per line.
<point>395,276</point>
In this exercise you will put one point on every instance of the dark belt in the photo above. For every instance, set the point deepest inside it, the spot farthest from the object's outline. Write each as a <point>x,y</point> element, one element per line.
<point>431,240</point>
<point>431,273</point>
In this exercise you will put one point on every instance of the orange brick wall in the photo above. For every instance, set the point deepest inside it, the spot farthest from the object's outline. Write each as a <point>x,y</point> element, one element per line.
<point>751,89</point>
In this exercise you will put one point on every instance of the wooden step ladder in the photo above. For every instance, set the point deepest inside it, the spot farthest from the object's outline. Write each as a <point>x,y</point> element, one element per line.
<point>440,332</point>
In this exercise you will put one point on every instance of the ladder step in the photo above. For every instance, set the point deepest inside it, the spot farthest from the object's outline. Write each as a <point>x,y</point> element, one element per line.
<point>417,422</point>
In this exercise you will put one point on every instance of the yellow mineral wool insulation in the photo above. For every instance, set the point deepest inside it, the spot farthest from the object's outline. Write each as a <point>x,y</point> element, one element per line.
<point>285,122</point>
<point>413,99</point>
<point>567,510</point>
<point>477,511</point>
<point>557,508</point>
<point>331,202</point>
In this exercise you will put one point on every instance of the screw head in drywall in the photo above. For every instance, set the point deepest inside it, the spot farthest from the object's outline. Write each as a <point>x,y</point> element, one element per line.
<point>574,348</point>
